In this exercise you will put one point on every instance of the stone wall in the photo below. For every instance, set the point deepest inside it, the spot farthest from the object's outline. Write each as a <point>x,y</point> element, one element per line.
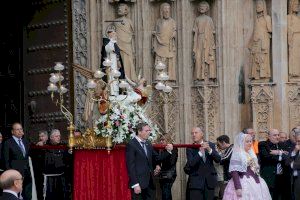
<point>223,106</point>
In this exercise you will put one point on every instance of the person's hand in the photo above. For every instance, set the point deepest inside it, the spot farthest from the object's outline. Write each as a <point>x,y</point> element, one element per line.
<point>206,146</point>
<point>157,170</point>
<point>239,193</point>
<point>285,152</point>
<point>40,143</point>
<point>275,152</point>
<point>297,148</point>
<point>137,189</point>
<point>169,147</point>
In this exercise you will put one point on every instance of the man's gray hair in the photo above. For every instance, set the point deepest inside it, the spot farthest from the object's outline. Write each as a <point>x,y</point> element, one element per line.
<point>7,183</point>
<point>54,131</point>
<point>43,132</point>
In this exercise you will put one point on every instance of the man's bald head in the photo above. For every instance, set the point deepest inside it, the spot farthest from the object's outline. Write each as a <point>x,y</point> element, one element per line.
<point>11,180</point>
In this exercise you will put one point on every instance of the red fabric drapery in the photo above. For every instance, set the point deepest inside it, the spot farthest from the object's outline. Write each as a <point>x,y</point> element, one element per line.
<point>99,175</point>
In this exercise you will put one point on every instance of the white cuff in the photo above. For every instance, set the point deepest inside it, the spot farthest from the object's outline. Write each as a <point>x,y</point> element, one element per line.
<point>135,185</point>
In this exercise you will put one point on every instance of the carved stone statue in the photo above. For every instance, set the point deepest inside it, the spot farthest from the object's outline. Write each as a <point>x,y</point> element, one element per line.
<point>204,45</point>
<point>294,39</point>
<point>260,44</point>
<point>125,32</point>
<point>164,40</point>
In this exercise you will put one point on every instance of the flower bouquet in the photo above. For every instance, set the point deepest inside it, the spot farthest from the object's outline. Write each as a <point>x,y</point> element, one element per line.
<point>120,122</point>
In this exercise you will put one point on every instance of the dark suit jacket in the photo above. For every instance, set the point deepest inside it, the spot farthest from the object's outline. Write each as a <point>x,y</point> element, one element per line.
<point>201,172</point>
<point>140,166</point>
<point>268,162</point>
<point>296,165</point>
<point>13,157</point>
<point>170,163</point>
<point>8,196</point>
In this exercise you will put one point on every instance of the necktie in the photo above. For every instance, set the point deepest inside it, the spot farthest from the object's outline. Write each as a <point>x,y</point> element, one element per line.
<point>144,147</point>
<point>21,147</point>
<point>279,169</point>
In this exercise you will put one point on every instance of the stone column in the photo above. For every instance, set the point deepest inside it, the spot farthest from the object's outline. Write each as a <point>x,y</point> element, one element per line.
<point>94,47</point>
<point>231,61</point>
<point>280,63</point>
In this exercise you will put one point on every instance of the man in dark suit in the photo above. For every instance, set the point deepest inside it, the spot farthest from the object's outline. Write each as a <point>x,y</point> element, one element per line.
<point>273,155</point>
<point>11,181</point>
<point>295,166</point>
<point>200,168</point>
<point>15,155</point>
<point>140,160</point>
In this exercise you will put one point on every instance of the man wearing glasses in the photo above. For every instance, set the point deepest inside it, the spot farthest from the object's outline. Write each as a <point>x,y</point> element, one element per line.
<point>15,156</point>
<point>11,181</point>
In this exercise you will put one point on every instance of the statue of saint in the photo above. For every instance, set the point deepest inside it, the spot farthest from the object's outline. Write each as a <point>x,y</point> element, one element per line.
<point>164,40</point>
<point>125,32</point>
<point>294,39</point>
<point>110,50</point>
<point>204,47</point>
<point>260,44</point>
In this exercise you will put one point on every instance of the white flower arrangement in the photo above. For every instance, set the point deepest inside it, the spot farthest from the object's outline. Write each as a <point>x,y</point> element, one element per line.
<point>120,122</point>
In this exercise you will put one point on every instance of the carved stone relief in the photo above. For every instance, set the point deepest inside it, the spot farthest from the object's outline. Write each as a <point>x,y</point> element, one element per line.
<point>80,40</point>
<point>204,46</point>
<point>205,109</point>
<point>163,111</point>
<point>294,105</point>
<point>262,100</point>
<point>260,45</point>
<point>294,40</point>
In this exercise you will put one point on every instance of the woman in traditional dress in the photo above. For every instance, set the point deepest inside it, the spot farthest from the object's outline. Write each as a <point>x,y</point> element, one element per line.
<point>246,184</point>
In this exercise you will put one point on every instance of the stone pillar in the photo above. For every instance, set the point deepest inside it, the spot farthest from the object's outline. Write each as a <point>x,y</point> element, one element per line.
<point>280,63</point>
<point>231,60</point>
<point>94,35</point>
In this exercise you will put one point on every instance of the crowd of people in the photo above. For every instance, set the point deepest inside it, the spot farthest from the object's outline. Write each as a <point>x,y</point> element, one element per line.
<point>247,169</point>
<point>42,177</point>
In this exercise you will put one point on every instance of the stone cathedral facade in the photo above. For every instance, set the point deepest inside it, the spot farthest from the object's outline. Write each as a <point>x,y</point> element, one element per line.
<point>234,63</point>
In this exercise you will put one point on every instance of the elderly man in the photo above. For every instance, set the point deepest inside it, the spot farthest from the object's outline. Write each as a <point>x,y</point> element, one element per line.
<point>11,181</point>
<point>200,168</point>
<point>55,165</point>
<point>43,138</point>
<point>15,156</point>
<point>273,155</point>
<point>283,136</point>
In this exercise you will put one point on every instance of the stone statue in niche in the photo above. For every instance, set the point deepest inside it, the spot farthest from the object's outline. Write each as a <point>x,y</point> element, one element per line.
<point>163,40</point>
<point>124,29</point>
<point>204,46</point>
<point>294,40</point>
<point>260,44</point>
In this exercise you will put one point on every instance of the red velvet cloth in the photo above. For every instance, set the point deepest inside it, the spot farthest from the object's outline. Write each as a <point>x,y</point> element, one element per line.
<point>100,175</point>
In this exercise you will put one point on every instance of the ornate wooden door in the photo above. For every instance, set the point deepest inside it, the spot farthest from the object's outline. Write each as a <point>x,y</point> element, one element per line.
<point>46,40</point>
